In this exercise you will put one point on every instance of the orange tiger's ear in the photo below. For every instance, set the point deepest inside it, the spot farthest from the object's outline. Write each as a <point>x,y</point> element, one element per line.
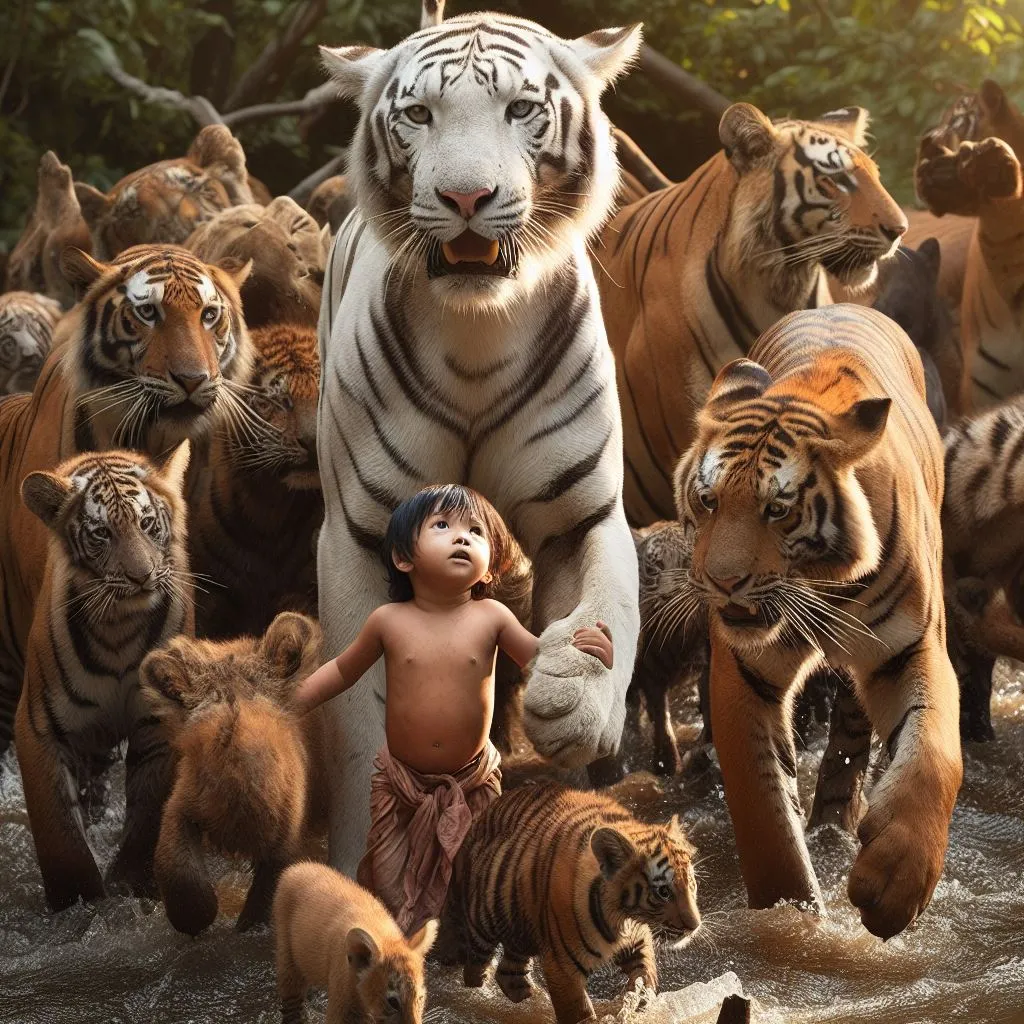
<point>45,495</point>
<point>749,138</point>
<point>856,431</point>
<point>362,949</point>
<point>92,202</point>
<point>176,466</point>
<point>850,121</point>
<point>290,641</point>
<point>612,849</point>
<point>992,98</point>
<point>235,269</point>
<point>79,269</point>
<point>739,381</point>
<point>164,673</point>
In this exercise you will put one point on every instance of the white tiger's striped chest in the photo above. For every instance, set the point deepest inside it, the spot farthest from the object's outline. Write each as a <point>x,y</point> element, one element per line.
<point>520,405</point>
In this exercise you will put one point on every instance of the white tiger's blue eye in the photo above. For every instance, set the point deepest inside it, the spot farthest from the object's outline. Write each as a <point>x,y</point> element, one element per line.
<point>518,109</point>
<point>418,114</point>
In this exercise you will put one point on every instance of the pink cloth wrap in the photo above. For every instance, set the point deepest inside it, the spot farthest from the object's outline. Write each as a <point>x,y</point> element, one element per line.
<point>417,824</point>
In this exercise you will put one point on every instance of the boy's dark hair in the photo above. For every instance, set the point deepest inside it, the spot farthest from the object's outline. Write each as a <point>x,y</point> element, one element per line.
<point>446,499</point>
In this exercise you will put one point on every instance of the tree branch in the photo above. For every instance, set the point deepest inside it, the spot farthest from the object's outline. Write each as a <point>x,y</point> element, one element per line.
<point>315,99</point>
<point>277,56</point>
<point>689,88</point>
<point>201,109</point>
<point>304,189</point>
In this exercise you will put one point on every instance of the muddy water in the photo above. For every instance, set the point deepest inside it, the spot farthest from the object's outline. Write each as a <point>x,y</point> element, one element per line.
<point>121,962</point>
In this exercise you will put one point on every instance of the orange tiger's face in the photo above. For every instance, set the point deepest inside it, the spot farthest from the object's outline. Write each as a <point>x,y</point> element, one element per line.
<point>160,341</point>
<point>652,875</point>
<point>284,391</point>
<point>776,512</point>
<point>810,193</point>
<point>119,521</point>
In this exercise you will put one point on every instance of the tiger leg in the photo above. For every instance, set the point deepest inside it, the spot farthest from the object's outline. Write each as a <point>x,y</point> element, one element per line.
<point>752,721</point>
<point>149,775</point>
<point>574,707</point>
<point>635,956</point>
<point>291,985</point>
<point>260,898</point>
<point>513,976</point>
<point>11,677</point>
<point>351,587</point>
<point>666,751</point>
<point>479,953</point>
<point>67,865</point>
<point>190,899</point>
<point>912,700</point>
<point>972,610</point>
<point>568,990</point>
<point>838,799</point>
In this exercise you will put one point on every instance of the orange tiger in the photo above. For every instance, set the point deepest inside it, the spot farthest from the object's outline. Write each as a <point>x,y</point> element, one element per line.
<point>574,878</point>
<point>164,202</point>
<point>690,275</point>
<point>115,583</point>
<point>970,165</point>
<point>814,490</point>
<point>146,359</point>
<point>257,508</point>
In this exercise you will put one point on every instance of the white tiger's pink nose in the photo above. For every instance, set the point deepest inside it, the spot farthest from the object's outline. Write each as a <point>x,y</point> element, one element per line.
<point>466,202</point>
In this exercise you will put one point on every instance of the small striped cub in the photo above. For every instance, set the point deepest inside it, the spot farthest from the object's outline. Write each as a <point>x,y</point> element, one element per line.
<point>115,584</point>
<point>574,878</point>
<point>332,933</point>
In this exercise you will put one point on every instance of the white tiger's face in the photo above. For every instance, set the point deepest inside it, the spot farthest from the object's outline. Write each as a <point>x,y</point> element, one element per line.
<point>482,153</point>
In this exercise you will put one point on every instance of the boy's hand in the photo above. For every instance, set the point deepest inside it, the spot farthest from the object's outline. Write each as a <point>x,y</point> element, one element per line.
<point>597,642</point>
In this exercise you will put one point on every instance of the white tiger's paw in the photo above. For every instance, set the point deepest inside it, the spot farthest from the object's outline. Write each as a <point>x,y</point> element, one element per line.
<point>568,699</point>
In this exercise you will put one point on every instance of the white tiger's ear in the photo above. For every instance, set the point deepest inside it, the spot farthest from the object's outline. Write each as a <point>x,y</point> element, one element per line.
<point>612,849</point>
<point>45,495</point>
<point>857,431</point>
<point>851,121</point>
<point>174,469</point>
<point>351,67</point>
<point>609,52</point>
<point>748,136</point>
<point>739,381</point>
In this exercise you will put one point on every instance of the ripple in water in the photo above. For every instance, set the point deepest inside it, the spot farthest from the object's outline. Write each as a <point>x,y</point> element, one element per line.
<point>122,963</point>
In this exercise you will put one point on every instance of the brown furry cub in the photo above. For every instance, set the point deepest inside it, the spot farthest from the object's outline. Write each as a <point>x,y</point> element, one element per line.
<point>332,933</point>
<point>250,776</point>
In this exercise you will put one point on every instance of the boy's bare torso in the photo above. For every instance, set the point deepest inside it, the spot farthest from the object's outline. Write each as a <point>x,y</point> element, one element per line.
<point>440,681</point>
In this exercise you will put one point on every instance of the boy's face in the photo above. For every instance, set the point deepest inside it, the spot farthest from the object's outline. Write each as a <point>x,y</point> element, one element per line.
<point>452,550</point>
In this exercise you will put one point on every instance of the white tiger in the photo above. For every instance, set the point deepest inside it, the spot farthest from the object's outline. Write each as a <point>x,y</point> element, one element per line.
<point>462,341</point>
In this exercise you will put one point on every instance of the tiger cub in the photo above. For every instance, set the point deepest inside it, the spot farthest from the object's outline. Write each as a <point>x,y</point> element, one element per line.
<point>27,320</point>
<point>250,776</point>
<point>983,543</point>
<point>332,933</point>
<point>257,507</point>
<point>115,584</point>
<point>574,878</point>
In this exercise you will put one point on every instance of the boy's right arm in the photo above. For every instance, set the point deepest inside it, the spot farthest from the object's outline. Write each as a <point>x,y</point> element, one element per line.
<point>344,671</point>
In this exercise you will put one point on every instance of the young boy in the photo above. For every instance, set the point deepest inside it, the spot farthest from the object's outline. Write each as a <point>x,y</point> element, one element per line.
<point>444,551</point>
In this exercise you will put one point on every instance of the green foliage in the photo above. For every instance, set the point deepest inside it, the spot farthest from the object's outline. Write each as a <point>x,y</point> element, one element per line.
<point>902,59</point>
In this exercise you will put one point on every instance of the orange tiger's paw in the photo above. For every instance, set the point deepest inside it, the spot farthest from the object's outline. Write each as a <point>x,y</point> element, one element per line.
<point>989,168</point>
<point>895,873</point>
